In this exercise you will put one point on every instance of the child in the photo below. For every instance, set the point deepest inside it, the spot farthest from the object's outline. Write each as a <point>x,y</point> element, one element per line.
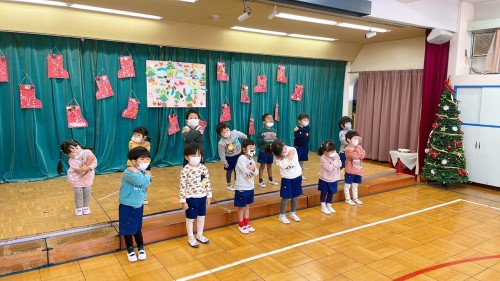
<point>291,177</point>
<point>353,169</point>
<point>82,163</point>
<point>345,125</point>
<point>139,138</point>
<point>265,137</point>
<point>329,174</point>
<point>301,139</point>
<point>135,181</point>
<point>192,132</point>
<point>243,197</point>
<point>229,147</point>
<point>195,193</point>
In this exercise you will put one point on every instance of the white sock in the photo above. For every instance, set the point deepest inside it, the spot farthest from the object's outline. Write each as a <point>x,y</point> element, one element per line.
<point>354,191</point>
<point>200,223</point>
<point>189,228</point>
<point>346,192</point>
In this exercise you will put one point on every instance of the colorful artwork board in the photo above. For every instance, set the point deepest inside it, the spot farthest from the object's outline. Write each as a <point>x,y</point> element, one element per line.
<point>176,84</point>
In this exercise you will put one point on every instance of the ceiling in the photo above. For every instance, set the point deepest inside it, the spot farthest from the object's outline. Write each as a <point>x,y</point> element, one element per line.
<point>200,13</point>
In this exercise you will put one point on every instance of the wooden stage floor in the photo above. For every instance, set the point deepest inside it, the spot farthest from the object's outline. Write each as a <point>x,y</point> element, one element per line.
<point>34,208</point>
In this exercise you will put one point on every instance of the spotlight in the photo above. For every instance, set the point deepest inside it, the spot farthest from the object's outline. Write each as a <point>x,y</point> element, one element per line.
<point>247,12</point>
<point>370,34</point>
<point>272,14</point>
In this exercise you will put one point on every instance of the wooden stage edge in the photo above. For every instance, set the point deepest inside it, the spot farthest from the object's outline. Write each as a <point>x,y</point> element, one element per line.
<point>26,253</point>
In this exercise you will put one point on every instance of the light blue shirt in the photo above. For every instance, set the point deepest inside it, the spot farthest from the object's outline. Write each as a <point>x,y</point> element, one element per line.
<point>133,189</point>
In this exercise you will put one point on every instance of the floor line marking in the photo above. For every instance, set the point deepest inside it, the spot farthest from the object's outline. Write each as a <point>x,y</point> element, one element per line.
<point>206,272</point>
<point>481,204</point>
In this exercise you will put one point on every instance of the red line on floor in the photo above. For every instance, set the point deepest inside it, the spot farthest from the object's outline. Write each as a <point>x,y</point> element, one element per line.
<point>446,264</point>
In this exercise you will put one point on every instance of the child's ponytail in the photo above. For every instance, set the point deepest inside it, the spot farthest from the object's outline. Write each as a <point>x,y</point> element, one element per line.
<point>275,148</point>
<point>59,165</point>
<point>327,145</point>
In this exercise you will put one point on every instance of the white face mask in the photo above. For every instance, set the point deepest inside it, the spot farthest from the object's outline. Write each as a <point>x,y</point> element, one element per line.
<point>143,166</point>
<point>355,142</point>
<point>251,153</point>
<point>227,135</point>
<point>137,140</point>
<point>332,154</point>
<point>193,122</point>
<point>348,127</point>
<point>269,124</point>
<point>305,123</point>
<point>194,161</point>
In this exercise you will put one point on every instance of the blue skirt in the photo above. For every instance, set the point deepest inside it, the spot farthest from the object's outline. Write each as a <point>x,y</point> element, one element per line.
<point>130,219</point>
<point>329,187</point>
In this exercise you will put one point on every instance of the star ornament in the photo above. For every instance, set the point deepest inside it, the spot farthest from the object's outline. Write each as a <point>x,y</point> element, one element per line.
<point>443,129</point>
<point>446,108</point>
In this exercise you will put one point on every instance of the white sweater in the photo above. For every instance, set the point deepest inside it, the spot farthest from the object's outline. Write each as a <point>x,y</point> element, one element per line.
<point>289,169</point>
<point>244,176</point>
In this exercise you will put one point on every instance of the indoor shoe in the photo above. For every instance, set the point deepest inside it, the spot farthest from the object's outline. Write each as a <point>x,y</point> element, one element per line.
<point>243,229</point>
<point>145,202</point>
<point>249,228</point>
<point>329,207</point>
<point>78,212</point>
<point>357,201</point>
<point>86,211</point>
<point>193,243</point>
<point>294,217</point>
<point>273,182</point>
<point>304,178</point>
<point>262,184</point>
<point>142,254</point>
<point>284,220</point>
<point>325,211</point>
<point>231,187</point>
<point>131,257</point>
<point>203,239</point>
<point>350,202</point>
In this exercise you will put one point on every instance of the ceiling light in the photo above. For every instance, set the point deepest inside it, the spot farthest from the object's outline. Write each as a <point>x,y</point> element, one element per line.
<point>112,11</point>
<point>370,34</point>
<point>272,14</point>
<point>51,3</point>
<point>258,30</point>
<point>247,12</point>
<point>311,37</point>
<point>362,27</point>
<point>307,19</point>
<point>190,1</point>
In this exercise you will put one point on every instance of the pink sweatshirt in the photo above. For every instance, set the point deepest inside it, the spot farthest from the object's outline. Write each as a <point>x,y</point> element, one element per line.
<point>353,161</point>
<point>329,170</point>
<point>86,178</point>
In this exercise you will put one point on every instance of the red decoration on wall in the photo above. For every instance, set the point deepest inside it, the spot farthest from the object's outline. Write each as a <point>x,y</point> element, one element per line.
<point>221,72</point>
<point>280,74</point>
<point>126,67</point>
<point>132,109</point>
<point>203,124</point>
<point>28,98</point>
<point>261,84</point>
<point>251,126</point>
<point>297,93</point>
<point>173,124</point>
<point>104,89</point>
<point>226,113</point>
<point>244,97</point>
<point>55,68</point>
<point>4,75</point>
<point>276,112</point>
<point>75,118</point>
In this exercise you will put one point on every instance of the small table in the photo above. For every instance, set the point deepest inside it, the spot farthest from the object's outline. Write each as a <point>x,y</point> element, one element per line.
<point>404,163</point>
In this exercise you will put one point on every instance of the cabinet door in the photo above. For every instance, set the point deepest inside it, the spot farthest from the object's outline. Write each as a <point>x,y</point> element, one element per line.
<point>490,100</point>
<point>470,104</point>
<point>487,169</point>
<point>471,139</point>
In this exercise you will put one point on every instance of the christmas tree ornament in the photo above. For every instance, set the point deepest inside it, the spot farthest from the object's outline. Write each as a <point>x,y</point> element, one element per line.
<point>74,115</point>
<point>4,74</point>
<point>261,84</point>
<point>221,72</point>
<point>449,146</point>
<point>173,123</point>
<point>444,162</point>
<point>104,89</point>
<point>280,74</point>
<point>276,112</point>
<point>454,128</point>
<point>226,112</point>
<point>27,94</point>
<point>433,172</point>
<point>441,118</point>
<point>426,150</point>
<point>127,69</point>
<point>55,68</point>
<point>132,106</point>
<point>435,125</point>
<point>446,108</point>
<point>251,126</point>
<point>297,93</point>
<point>244,97</point>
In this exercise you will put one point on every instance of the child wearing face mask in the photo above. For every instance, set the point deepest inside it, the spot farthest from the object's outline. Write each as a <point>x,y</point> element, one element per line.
<point>345,125</point>
<point>229,148</point>
<point>192,132</point>
<point>82,163</point>
<point>246,170</point>
<point>139,139</point>
<point>135,181</point>
<point>195,193</point>
<point>301,139</point>
<point>291,178</point>
<point>329,174</point>
<point>265,137</point>
<point>353,167</point>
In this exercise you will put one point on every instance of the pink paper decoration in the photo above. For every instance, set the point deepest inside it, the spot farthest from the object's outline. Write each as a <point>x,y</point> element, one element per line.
<point>251,126</point>
<point>55,68</point>
<point>126,67</point>
<point>276,112</point>
<point>244,97</point>
<point>203,125</point>
<point>132,109</point>
<point>297,93</point>
<point>28,98</point>
<point>4,75</point>
<point>104,89</point>
<point>221,72</point>
<point>75,118</point>
<point>261,84</point>
<point>280,74</point>
<point>173,124</point>
<point>226,113</point>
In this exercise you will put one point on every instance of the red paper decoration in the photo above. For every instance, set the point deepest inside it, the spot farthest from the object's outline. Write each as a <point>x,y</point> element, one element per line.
<point>261,84</point>
<point>226,113</point>
<point>276,112</point>
<point>173,124</point>
<point>244,97</point>
<point>251,126</point>
<point>297,93</point>
<point>221,72</point>
<point>4,75</point>
<point>75,118</point>
<point>55,68</point>
<point>104,89</point>
<point>280,74</point>
<point>127,69</point>
<point>27,96</point>
<point>132,109</point>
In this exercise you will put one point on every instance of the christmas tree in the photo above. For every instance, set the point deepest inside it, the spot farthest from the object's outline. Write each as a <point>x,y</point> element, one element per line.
<point>445,160</point>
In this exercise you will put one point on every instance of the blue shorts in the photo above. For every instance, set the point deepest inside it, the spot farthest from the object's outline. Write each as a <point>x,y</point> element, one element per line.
<point>264,158</point>
<point>351,178</point>
<point>291,187</point>
<point>130,219</point>
<point>196,207</point>
<point>328,187</point>
<point>302,153</point>
<point>243,197</point>
<point>342,159</point>
<point>231,160</point>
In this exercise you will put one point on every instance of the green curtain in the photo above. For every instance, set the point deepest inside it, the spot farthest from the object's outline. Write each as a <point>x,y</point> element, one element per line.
<point>30,138</point>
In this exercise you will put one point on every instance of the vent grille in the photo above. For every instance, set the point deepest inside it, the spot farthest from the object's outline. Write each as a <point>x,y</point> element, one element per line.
<point>481,44</point>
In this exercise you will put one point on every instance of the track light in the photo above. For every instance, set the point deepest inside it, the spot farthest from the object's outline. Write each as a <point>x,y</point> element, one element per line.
<point>370,34</point>
<point>247,12</point>
<point>272,14</point>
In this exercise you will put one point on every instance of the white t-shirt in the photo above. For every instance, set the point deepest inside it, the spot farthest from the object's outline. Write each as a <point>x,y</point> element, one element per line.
<point>289,169</point>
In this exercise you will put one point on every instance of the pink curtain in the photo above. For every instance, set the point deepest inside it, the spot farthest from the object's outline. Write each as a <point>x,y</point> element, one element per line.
<point>388,111</point>
<point>493,56</point>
